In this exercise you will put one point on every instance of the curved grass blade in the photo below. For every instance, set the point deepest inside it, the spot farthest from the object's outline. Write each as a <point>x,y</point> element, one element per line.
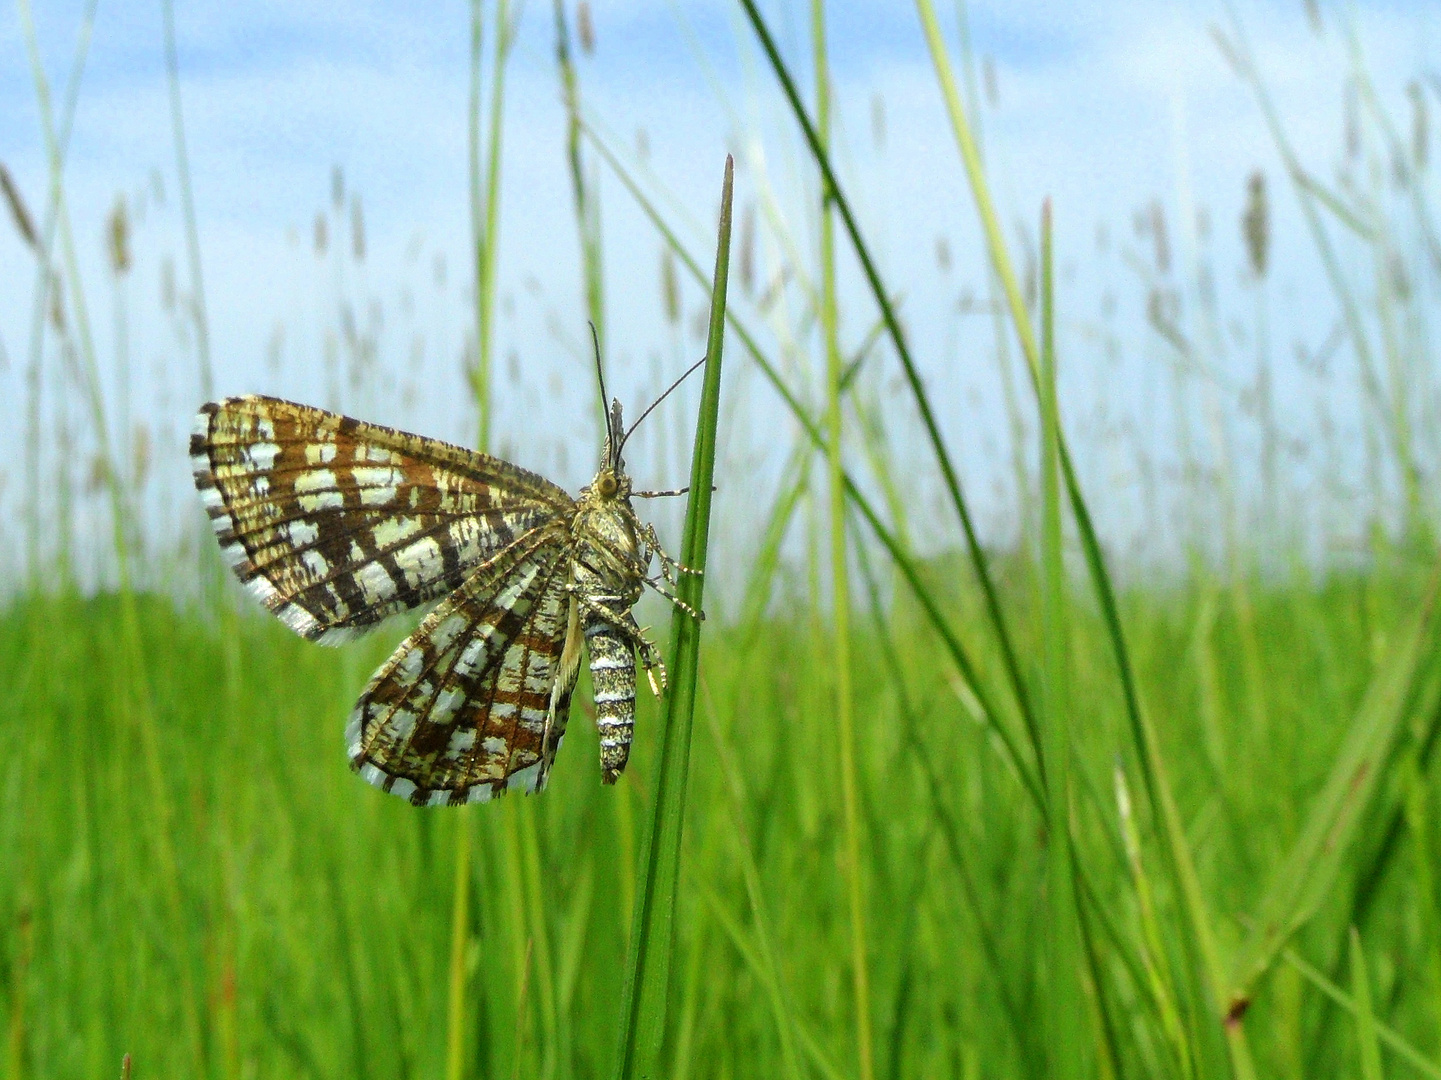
<point>1385,1034</point>
<point>1066,1046</point>
<point>913,379</point>
<point>924,595</point>
<point>647,981</point>
<point>1160,798</point>
<point>1303,879</point>
<point>1366,1044</point>
<point>763,957</point>
<point>840,572</point>
<point>951,835</point>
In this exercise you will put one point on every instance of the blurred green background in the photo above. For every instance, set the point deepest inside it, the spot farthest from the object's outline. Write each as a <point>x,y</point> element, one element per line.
<point>1069,698</point>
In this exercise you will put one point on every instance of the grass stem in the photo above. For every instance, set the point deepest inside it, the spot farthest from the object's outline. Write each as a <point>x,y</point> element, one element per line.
<point>187,203</point>
<point>1066,1047</point>
<point>840,569</point>
<point>646,989</point>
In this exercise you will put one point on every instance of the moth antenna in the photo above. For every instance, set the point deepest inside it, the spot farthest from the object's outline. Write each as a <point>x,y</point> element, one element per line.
<point>651,408</point>
<point>600,375</point>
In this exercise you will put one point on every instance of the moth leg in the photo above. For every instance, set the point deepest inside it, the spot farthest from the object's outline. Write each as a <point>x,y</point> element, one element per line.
<point>698,616</point>
<point>649,654</point>
<point>669,567</point>
<point>651,541</point>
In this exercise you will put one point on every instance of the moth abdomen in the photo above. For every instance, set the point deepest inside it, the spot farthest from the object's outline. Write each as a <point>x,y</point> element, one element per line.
<point>612,674</point>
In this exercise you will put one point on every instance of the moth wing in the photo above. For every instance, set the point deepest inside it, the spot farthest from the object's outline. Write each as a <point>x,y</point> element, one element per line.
<point>336,524</point>
<point>476,700</point>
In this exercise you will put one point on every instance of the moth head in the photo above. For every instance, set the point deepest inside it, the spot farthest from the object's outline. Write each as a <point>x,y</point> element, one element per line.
<point>607,484</point>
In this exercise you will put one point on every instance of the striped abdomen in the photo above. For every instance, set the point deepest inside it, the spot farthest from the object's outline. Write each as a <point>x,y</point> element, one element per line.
<point>612,672</point>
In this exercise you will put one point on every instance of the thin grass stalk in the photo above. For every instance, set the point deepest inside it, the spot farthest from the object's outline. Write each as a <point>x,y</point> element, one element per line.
<point>1160,799</point>
<point>45,282</point>
<point>768,969</point>
<point>522,944</point>
<point>1385,839</point>
<point>950,831</point>
<point>1420,827</point>
<point>1066,1049</point>
<point>200,318</point>
<point>647,983</point>
<point>793,486</point>
<point>1009,396</point>
<point>187,205</point>
<point>1413,183</point>
<point>456,1014</point>
<point>575,927</point>
<point>135,694</point>
<point>1109,1059</point>
<point>690,999</point>
<point>539,933</point>
<point>484,215</point>
<point>359,1053</point>
<point>479,228</point>
<point>897,551</point>
<point>485,196</point>
<point>1246,68</point>
<point>1367,1046</point>
<point>977,553</point>
<point>1398,1045</point>
<point>877,452</point>
<point>1404,685</point>
<point>587,211</point>
<point>840,572</point>
<point>1153,951</point>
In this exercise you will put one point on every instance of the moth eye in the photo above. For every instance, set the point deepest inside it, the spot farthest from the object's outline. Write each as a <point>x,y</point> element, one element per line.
<point>607,486</point>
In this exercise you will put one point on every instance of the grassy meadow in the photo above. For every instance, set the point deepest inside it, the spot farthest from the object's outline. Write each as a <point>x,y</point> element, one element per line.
<point>975,811</point>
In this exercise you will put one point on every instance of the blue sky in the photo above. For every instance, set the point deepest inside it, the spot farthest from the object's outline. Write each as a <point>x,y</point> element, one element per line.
<point>1103,107</point>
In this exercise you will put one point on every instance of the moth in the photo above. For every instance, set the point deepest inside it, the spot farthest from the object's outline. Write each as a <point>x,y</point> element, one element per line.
<point>336,524</point>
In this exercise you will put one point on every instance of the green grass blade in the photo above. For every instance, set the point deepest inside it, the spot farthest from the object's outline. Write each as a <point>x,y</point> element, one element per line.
<point>1160,799</point>
<point>587,207</point>
<point>1246,67</point>
<point>840,573</point>
<point>1066,1048</point>
<point>44,283</point>
<point>647,981</point>
<point>924,595</point>
<point>1399,1046</point>
<point>951,835</point>
<point>456,1016</point>
<point>794,484</point>
<point>187,205</point>
<point>882,298</point>
<point>134,693</point>
<point>1367,1046</point>
<point>1303,879</point>
<point>763,956</point>
<point>485,238</point>
<point>484,166</point>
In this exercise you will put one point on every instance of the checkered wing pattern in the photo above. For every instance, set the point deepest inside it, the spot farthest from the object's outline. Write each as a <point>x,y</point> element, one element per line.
<point>337,524</point>
<point>476,700</point>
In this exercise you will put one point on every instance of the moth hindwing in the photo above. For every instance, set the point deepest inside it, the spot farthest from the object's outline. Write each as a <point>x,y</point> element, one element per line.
<point>336,524</point>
